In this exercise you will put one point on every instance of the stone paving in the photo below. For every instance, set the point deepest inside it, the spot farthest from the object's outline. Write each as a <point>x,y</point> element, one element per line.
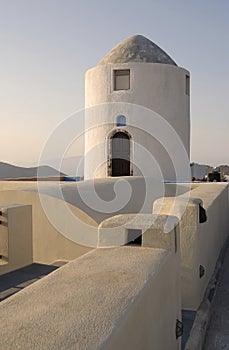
<point>13,282</point>
<point>188,318</point>
<point>217,336</point>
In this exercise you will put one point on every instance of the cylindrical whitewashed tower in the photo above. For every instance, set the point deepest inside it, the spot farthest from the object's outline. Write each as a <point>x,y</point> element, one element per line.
<point>137,118</point>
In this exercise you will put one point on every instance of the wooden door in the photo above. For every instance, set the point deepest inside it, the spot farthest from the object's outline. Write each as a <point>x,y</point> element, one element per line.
<point>120,154</point>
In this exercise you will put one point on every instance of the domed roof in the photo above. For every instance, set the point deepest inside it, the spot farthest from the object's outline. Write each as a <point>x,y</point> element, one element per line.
<point>137,48</point>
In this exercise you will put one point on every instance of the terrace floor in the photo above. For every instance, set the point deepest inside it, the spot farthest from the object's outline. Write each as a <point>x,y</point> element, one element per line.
<point>13,282</point>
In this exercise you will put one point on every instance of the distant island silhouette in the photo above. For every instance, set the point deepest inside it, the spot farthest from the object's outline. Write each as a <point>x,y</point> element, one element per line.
<point>9,171</point>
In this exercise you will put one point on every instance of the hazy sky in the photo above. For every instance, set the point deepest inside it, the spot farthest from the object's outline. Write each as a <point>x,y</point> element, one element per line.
<point>47,45</point>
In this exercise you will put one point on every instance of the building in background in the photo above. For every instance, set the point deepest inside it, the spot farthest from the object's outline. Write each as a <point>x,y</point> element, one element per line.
<point>134,79</point>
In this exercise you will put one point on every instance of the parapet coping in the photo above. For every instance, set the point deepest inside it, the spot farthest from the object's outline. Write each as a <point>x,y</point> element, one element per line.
<point>79,305</point>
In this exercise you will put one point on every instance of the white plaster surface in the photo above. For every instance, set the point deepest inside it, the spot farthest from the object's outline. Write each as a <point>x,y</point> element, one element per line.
<point>114,231</point>
<point>16,245</point>
<point>48,244</point>
<point>121,298</point>
<point>157,87</point>
<point>200,242</point>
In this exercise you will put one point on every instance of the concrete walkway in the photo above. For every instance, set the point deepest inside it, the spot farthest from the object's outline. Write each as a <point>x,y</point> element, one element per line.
<point>13,282</point>
<point>217,336</point>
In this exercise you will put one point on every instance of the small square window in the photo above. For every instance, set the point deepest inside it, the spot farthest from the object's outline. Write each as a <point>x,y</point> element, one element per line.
<point>187,85</point>
<point>122,79</point>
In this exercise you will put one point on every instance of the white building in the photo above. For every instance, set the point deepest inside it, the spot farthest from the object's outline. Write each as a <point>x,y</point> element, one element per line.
<point>199,171</point>
<point>137,99</point>
<point>121,297</point>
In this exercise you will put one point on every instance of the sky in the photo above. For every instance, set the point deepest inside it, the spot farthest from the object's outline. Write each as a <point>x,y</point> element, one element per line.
<point>46,46</point>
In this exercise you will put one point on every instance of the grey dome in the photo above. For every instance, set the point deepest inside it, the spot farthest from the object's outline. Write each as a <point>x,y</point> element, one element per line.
<point>137,48</point>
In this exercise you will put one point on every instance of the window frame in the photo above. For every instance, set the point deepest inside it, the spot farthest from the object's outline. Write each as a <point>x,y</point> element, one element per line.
<point>120,73</point>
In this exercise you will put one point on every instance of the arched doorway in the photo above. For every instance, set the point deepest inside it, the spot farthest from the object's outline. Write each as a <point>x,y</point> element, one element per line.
<point>120,154</point>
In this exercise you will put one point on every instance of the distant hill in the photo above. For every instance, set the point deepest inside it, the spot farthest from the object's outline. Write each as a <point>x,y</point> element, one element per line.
<point>72,166</point>
<point>223,169</point>
<point>8,171</point>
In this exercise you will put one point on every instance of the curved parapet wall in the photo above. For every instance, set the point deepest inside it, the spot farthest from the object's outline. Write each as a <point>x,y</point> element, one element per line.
<point>65,217</point>
<point>97,197</point>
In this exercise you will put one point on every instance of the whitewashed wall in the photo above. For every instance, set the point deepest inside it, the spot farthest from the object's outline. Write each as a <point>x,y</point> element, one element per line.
<point>153,87</point>
<point>200,242</point>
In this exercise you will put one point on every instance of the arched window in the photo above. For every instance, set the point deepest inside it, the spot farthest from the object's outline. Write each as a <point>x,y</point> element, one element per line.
<point>121,120</point>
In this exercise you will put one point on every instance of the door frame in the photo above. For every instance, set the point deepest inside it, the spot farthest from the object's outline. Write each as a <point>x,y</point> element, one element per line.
<point>109,153</point>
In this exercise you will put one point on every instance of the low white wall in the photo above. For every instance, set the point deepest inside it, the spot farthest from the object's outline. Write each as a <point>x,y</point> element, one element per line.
<point>15,237</point>
<point>49,245</point>
<point>214,231</point>
<point>200,242</point>
<point>118,298</point>
<point>114,231</point>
